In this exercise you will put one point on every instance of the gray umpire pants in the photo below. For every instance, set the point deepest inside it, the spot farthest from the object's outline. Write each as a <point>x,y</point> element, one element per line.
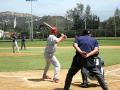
<point>77,64</point>
<point>50,58</point>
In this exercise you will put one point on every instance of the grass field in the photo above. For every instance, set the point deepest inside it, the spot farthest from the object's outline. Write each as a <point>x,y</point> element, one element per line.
<point>111,41</point>
<point>32,58</point>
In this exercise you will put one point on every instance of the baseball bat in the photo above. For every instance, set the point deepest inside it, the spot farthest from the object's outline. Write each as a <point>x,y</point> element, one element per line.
<point>52,27</point>
<point>47,25</point>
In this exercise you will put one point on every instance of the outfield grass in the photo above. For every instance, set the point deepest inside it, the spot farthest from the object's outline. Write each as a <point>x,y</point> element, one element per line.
<point>68,42</point>
<point>35,61</point>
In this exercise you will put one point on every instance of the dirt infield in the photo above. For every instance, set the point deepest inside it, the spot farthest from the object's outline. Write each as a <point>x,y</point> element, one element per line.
<point>31,80</point>
<point>15,54</point>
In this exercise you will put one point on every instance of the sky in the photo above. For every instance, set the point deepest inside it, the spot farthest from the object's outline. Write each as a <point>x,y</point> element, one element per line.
<point>102,8</point>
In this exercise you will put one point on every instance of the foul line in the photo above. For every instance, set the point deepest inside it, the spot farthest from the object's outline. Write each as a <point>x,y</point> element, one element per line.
<point>106,73</point>
<point>112,71</point>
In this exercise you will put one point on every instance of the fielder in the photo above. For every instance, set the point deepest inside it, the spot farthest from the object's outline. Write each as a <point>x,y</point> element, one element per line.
<point>50,49</point>
<point>23,40</point>
<point>14,44</point>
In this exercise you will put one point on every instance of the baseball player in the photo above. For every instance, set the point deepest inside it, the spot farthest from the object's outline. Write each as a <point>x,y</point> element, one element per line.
<point>50,49</point>
<point>86,49</point>
<point>23,40</point>
<point>14,42</point>
<point>86,74</point>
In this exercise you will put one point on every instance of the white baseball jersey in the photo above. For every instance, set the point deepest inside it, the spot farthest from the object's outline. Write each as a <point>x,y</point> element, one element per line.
<point>51,44</point>
<point>49,56</point>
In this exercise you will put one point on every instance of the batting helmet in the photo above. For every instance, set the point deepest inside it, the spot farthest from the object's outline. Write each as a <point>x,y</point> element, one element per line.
<point>54,30</point>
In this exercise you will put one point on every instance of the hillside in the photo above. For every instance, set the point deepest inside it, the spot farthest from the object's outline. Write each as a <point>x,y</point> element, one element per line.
<point>23,21</point>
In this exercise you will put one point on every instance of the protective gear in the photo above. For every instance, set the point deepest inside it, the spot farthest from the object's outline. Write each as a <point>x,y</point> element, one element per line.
<point>54,30</point>
<point>92,76</point>
<point>99,63</point>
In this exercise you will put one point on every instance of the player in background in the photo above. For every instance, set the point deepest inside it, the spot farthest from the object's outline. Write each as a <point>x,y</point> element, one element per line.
<point>23,40</point>
<point>49,52</point>
<point>14,42</point>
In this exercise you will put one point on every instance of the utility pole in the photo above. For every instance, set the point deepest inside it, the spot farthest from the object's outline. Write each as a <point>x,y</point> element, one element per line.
<point>115,25</point>
<point>31,21</point>
<point>85,23</point>
<point>56,23</point>
<point>31,24</point>
<point>4,27</point>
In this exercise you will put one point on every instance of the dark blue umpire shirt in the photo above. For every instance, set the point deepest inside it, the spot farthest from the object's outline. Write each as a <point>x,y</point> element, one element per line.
<point>86,43</point>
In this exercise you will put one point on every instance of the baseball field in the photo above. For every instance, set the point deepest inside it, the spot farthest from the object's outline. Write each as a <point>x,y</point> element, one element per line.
<point>23,70</point>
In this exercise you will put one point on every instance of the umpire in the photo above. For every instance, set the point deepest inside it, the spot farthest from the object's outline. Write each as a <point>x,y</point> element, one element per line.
<point>86,49</point>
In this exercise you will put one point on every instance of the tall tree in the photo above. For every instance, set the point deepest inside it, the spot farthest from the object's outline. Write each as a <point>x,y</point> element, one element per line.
<point>82,18</point>
<point>116,21</point>
<point>117,12</point>
<point>77,16</point>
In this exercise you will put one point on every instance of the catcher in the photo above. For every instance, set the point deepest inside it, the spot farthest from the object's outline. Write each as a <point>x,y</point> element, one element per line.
<point>86,74</point>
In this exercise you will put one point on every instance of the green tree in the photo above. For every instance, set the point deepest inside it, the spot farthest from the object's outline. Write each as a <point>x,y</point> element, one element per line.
<point>117,22</point>
<point>111,26</point>
<point>82,18</point>
<point>77,16</point>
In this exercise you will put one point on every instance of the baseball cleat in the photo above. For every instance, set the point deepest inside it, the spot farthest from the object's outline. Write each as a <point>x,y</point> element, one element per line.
<point>84,85</point>
<point>46,77</point>
<point>56,80</point>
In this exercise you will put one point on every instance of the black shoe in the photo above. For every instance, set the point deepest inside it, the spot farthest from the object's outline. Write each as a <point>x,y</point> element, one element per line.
<point>84,85</point>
